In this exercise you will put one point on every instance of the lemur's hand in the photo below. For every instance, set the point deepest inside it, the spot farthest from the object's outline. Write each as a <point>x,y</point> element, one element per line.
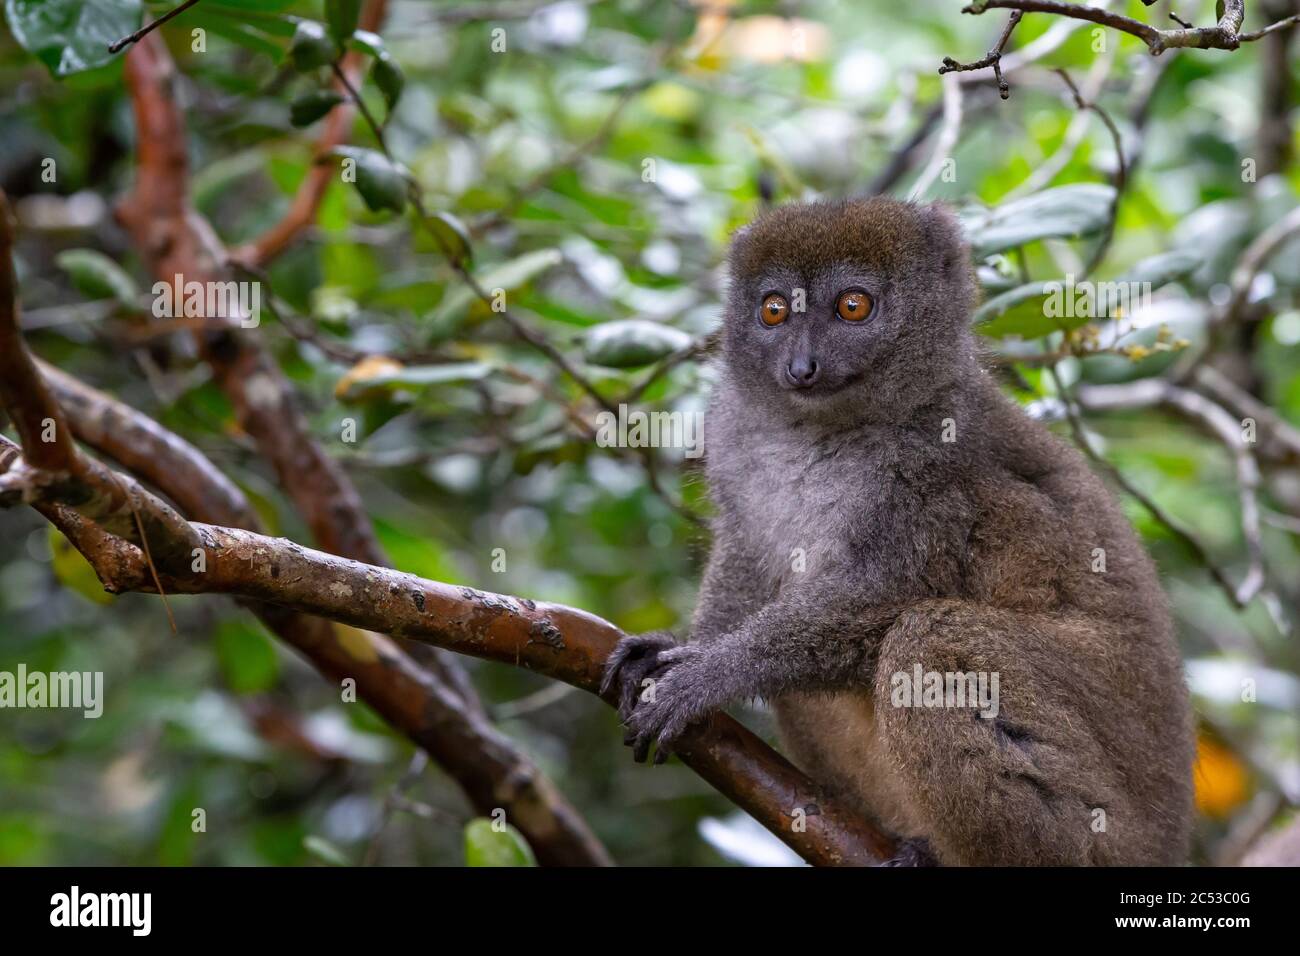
<point>664,687</point>
<point>632,661</point>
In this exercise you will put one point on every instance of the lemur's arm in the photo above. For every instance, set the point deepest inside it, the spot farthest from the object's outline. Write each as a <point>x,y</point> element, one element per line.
<point>819,635</point>
<point>732,588</point>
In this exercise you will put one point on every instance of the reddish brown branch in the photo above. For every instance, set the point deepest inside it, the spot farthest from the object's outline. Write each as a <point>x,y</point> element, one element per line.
<point>553,640</point>
<point>175,240</point>
<point>54,469</point>
<point>34,413</point>
<point>560,642</point>
<point>462,619</point>
<point>387,678</point>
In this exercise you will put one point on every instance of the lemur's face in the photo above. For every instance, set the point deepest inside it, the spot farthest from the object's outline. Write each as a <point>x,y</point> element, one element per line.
<point>837,307</point>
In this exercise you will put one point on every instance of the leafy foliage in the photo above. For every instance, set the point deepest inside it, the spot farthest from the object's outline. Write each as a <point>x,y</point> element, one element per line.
<point>590,172</point>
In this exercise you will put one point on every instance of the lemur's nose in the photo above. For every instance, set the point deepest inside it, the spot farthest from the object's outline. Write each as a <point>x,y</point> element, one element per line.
<point>802,371</point>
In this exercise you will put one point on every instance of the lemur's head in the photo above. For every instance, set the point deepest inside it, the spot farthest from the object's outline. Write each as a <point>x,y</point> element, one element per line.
<point>854,310</point>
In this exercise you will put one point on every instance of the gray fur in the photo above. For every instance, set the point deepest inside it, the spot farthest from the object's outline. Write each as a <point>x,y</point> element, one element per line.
<point>971,555</point>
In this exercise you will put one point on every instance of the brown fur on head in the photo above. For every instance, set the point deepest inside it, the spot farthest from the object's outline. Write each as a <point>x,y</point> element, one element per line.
<point>910,259</point>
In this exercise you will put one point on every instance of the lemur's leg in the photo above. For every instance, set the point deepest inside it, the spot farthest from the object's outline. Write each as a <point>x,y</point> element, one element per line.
<point>1043,781</point>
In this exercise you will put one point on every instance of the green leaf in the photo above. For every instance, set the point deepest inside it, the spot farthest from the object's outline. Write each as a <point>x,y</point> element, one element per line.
<point>1164,268</point>
<point>243,34</point>
<point>453,309</point>
<point>630,343</point>
<point>261,9</point>
<point>453,237</point>
<point>247,657</point>
<point>418,551</point>
<point>992,281</point>
<point>73,571</point>
<point>367,42</point>
<point>252,24</point>
<point>485,846</point>
<point>310,47</point>
<point>325,851</point>
<point>96,276</point>
<point>69,36</point>
<point>388,77</point>
<point>414,377</point>
<point>1023,311</point>
<point>1027,310</point>
<point>311,106</point>
<point>382,183</point>
<point>1061,213</point>
<point>342,16</point>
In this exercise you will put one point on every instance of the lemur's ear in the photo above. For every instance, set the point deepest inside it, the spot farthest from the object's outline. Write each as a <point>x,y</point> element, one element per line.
<point>944,235</point>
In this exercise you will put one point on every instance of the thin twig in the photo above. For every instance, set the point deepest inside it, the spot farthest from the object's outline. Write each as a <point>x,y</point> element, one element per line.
<point>1121,174</point>
<point>419,761</point>
<point>530,704</point>
<point>152,25</point>
<point>1193,544</point>
<point>1049,42</point>
<point>1047,170</point>
<point>148,557</point>
<point>667,364</point>
<point>568,160</point>
<point>1283,24</point>
<point>1224,35</point>
<point>1220,423</point>
<point>993,59</point>
<point>347,84</point>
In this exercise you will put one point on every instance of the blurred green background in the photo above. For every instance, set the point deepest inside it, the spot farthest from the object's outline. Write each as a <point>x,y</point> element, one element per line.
<point>540,150</point>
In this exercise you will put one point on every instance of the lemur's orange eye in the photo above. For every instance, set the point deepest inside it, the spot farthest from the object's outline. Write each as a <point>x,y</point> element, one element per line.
<point>774,309</point>
<point>853,306</point>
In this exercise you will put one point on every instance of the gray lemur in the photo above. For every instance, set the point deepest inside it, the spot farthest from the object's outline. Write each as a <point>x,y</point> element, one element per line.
<point>884,512</point>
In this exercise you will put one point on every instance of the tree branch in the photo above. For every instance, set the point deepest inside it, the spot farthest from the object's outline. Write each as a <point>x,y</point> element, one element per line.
<point>175,240</point>
<point>553,640</point>
<point>387,678</point>
<point>1121,174</point>
<point>1224,35</point>
<point>993,59</point>
<point>561,642</point>
<point>1193,543</point>
<point>149,27</point>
